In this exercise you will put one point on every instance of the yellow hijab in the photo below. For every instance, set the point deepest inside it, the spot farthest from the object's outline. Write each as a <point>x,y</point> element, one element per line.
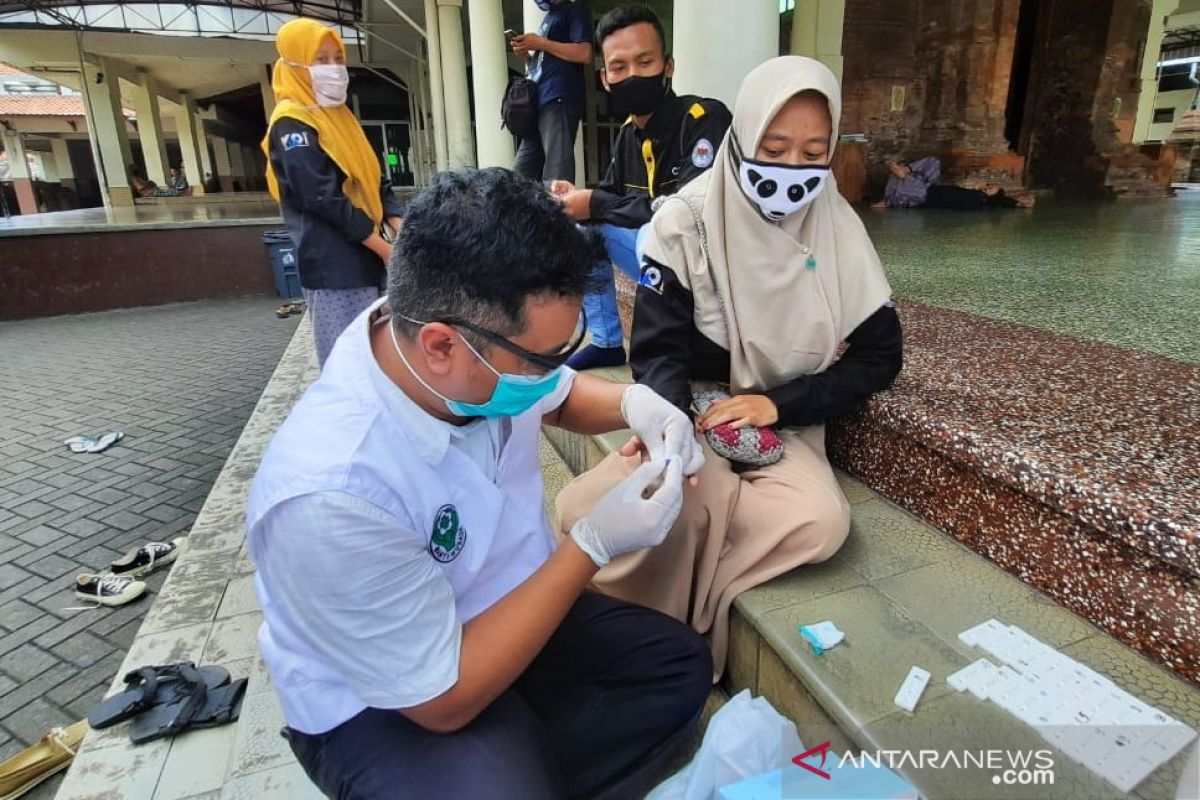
<point>341,136</point>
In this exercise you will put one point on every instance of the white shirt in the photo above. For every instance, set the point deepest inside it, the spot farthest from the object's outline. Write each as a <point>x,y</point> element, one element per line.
<point>378,530</point>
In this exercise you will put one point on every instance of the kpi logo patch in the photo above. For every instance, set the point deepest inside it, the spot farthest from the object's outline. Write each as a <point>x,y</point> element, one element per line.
<point>448,537</point>
<point>291,141</point>
<point>703,154</point>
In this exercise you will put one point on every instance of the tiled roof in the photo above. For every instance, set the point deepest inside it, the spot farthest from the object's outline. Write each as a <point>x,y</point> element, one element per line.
<point>46,105</point>
<point>41,105</point>
<point>5,69</point>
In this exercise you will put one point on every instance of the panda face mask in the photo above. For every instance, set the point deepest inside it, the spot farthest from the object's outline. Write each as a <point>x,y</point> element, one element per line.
<point>778,190</point>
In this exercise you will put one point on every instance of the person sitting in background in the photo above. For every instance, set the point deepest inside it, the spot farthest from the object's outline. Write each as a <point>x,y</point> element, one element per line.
<point>916,185</point>
<point>665,141</point>
<point>144,187</point>
<point>179,182</point>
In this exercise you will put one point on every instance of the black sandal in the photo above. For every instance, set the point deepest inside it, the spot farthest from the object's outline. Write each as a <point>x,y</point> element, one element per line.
<point>221,706</point>
<point>173,716</point>
<point>148,687</point>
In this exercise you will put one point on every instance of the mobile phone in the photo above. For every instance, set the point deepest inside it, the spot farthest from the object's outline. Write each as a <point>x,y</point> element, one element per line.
<point>509,35</point>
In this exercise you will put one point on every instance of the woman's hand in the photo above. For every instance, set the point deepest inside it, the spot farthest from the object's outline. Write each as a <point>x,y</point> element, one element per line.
<point>744,410</point>
<point>636,447</point>
<point>379,246</point>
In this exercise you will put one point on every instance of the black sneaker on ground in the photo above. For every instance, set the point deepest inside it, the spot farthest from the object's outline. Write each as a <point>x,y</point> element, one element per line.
<point>108,590</point>
<point>147,558</point>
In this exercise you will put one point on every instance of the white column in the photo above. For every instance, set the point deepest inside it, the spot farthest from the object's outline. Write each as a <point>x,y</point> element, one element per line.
<point>14,150</point>
<point>206,165</point>
<point>489,74</point>
<point>62,159</point>
<point>48,167</point>
<point>416,128</point>
<point>150,131</point>
<point>185,124</point>
<point>718,42</point>
<point>224,170</point>
<point>817,32</point>
<point>236,165</point>
<point>437,90</point>
<point>107,127</point>
<point>268,92</point>
<point>460,143</point>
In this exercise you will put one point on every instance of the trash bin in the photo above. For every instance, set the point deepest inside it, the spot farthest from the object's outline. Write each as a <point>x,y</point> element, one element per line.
<point>284,266</point>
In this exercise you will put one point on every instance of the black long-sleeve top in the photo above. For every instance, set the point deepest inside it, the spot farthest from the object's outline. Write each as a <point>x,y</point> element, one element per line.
<point>326,228</point>
<point>667,351</point>
<point>678,143</point>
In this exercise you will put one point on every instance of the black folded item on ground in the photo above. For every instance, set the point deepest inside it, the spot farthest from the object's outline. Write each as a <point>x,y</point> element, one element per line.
<point>169,699</point>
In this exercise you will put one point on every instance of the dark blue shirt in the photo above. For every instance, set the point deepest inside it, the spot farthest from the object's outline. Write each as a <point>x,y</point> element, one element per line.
<point>566,22</point>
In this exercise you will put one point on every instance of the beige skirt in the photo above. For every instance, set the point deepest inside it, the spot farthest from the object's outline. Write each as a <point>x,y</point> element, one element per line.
<point>736,530</point>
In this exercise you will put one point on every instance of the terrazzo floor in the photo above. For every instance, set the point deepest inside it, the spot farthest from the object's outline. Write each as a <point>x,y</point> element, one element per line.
<point>1124,273</point>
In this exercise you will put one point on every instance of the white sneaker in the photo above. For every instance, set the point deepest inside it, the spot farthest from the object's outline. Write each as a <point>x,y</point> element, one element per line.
<point>147,558</point>
<point>108,590</point>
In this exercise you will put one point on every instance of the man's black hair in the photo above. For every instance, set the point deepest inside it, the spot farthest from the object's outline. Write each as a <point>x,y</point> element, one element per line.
<point>624,16</point>
<point>478,243</point>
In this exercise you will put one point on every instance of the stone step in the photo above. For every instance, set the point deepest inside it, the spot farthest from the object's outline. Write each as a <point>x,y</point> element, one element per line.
<point>902,591</point>
<point>1029,448</point>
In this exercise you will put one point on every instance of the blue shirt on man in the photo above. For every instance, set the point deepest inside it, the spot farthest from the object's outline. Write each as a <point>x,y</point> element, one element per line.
<point>570,23</point>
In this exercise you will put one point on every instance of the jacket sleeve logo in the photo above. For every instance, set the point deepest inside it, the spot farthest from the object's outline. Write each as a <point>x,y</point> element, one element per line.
<point>448,537</point>
<point>703,154</point>
<point>291,141</point>
<point>652,278</point>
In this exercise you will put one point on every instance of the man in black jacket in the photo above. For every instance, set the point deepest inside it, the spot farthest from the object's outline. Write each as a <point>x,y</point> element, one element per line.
<point>665,141</point>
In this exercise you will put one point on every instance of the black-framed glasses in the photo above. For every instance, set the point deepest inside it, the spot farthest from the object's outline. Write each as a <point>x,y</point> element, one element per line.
<point>546,362</point>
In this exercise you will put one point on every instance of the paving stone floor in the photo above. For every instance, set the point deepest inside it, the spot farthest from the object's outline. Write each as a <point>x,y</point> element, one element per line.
<point>181,381</point>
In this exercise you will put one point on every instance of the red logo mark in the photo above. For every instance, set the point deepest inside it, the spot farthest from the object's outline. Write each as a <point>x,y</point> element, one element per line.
<point>823,749</point>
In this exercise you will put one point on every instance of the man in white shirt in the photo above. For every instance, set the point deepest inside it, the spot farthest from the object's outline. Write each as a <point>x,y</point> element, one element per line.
<point>425,635</point>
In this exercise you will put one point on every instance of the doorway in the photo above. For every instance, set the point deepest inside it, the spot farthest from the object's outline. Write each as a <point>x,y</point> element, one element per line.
<point>1018,84</point>
<point>393,145</point>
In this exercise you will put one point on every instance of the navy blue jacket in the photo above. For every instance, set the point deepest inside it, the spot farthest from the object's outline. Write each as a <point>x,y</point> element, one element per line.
<point>325,226</point>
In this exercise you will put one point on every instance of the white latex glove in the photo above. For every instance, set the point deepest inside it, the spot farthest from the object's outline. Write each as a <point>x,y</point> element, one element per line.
<point>624,520</point>
<point>664,429</point>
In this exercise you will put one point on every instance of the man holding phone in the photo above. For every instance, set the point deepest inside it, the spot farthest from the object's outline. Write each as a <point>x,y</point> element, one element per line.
<point>555,56</point>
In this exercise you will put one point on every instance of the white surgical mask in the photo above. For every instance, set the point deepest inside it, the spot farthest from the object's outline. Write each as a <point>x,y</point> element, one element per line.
<point>330,82</point>
<point>779,190</point>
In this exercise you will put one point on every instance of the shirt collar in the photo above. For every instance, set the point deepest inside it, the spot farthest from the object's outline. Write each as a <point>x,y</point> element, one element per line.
<point>428,434</point>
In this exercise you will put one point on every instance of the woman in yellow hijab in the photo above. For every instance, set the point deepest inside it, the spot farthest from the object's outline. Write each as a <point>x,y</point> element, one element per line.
<point>327,179</point>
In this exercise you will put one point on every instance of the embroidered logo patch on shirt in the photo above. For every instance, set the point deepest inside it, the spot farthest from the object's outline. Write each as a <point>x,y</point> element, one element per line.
<point>703,154</point>
<point>291,141</point>
<point>652,279</point>
<point>448,537</point>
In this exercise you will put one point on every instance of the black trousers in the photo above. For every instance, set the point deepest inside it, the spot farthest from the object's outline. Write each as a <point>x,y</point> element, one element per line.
<point>550,153</point>
<point>598,713</point>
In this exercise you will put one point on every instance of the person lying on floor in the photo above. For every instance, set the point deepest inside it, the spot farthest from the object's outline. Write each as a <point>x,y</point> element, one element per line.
<point>916,185</point>
<point>425,638</point>
<point>754,276</point>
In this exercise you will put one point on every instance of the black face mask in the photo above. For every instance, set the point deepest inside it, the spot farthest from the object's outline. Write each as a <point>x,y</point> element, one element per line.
<point>637,95</point>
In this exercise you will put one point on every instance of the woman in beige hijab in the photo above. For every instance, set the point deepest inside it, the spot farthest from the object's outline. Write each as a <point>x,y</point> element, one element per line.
<point>755,274</point>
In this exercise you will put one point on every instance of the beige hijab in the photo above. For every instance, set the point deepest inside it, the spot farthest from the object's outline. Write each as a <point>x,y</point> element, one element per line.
<point>778,319</point>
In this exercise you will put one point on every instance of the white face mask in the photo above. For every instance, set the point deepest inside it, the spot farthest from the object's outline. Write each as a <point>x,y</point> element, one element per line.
<point>779,190</point>
<point>329,82</point>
